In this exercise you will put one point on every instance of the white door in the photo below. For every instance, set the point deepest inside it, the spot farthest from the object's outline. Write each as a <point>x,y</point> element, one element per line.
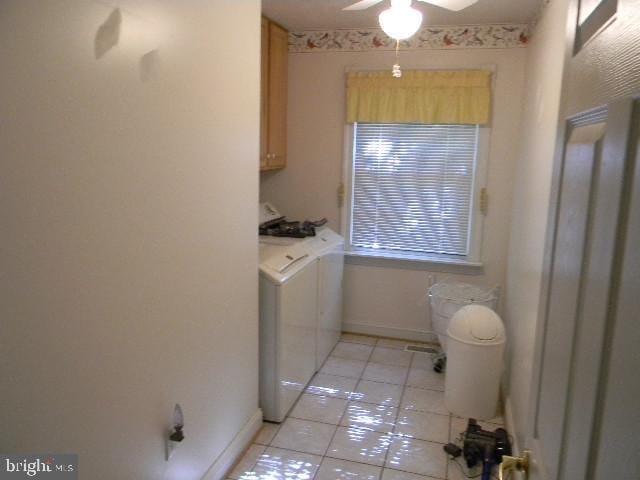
<point>585,408</point>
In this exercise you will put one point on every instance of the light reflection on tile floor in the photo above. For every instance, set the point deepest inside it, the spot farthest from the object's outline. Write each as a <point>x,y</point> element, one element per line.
<point>374,412</point>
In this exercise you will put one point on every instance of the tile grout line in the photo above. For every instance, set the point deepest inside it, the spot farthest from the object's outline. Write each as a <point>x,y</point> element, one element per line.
<point>404,387</point>
<point>393,435</point>
<point>446,465</point>
<point>398,408</point>
<point>377,339</point>
<point>377,381</point>
<point>367,429</point>
<point>344,412</point>
<point>270,445</point>
<point>380,474</point>
<point>349,399</point>
<point>345,409</point>
<point>289,416</point>
<point>355,461</point>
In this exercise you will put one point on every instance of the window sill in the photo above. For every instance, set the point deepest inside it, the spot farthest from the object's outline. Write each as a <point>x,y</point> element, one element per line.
<point>408,261</point>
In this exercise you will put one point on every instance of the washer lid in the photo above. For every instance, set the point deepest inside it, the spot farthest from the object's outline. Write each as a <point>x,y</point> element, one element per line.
<point>285,259</point>
<point>325,240</point>
<point>281,262</point>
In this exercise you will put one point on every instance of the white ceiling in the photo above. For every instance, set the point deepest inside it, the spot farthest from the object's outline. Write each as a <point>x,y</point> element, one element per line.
<point>298,15</point>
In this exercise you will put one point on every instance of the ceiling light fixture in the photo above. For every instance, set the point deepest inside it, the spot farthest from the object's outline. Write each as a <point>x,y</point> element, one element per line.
<point>400,21</point>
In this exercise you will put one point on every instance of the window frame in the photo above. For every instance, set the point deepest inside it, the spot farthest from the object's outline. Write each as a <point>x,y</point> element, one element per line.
<point>415,259</point>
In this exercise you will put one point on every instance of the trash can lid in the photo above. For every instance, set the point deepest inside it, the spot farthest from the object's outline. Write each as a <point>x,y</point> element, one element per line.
<point>477,324</point>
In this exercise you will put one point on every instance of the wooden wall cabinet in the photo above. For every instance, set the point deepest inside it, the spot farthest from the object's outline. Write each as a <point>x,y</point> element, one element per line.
<point>273,96</point>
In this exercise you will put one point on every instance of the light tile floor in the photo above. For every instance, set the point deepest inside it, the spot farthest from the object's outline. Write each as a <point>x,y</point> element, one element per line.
<point>373,412</point>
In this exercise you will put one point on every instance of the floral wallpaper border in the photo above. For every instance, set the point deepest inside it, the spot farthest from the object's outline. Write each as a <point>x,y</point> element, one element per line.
<point>433,37</point>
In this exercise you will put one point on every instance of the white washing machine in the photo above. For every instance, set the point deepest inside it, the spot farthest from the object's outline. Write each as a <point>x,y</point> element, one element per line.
<point>300,313</point>
<point>330,248</point>
<point>288,307</point>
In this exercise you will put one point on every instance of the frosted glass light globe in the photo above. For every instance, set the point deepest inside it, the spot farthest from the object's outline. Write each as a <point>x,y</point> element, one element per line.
<point>400,21</point>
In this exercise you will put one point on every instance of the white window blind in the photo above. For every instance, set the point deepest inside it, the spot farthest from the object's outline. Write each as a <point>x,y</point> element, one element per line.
<point>412,187</point>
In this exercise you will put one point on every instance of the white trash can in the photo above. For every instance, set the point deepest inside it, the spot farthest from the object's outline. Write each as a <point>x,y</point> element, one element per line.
<point>446,298</point>
<point>476,341</point>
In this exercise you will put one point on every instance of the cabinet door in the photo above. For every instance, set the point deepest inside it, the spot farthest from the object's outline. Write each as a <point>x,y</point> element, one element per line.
<point>264,92</point>
<point>277,97</point>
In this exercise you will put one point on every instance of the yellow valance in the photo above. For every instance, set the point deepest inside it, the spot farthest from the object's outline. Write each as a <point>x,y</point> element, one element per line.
<point>419,96</point>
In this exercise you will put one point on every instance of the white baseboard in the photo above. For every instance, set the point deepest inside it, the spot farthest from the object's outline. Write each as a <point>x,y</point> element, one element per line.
<point>510,425</point>
<point>391,332</point>
<point>238,445</point>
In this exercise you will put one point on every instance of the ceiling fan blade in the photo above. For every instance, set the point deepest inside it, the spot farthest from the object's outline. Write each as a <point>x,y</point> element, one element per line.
<point>362,4</point>
<point>454,5</point>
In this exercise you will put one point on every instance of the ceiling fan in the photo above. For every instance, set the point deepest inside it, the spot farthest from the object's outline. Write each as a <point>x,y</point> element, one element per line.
<point>401,21</point>
<point>454,5</point>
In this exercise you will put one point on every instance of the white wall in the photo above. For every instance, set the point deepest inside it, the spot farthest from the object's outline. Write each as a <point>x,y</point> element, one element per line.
<point>128,244</point>
<point>383,299</point>
<point>545,57</point>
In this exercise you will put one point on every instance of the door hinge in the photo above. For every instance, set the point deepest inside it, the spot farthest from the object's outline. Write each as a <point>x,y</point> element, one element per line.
<point>484,201</point>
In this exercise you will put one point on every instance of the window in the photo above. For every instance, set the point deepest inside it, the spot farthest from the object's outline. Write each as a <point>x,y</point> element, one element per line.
<point>412,189</point>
